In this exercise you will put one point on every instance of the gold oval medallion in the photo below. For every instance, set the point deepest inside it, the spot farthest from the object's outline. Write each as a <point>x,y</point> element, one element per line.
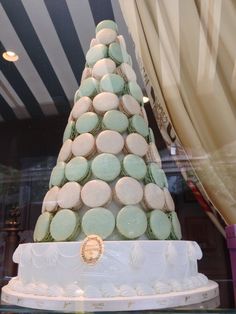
<point>91,249</point>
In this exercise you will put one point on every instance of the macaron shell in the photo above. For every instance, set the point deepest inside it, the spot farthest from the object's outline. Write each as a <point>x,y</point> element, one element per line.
<point>112,83</point>
<point>128,191</point>
<point>105,101</point>
<point>134,166</point>
<point>96,53</point>
<point>152,155</point>
<point>99,221</point>
<point>65,152</point>
<point>96,193</point>
<point>126,71</point>
<point>87,122</point>
<point>64,224</point>
<point>106,24</point>
<point>135,91</point>
<point>159,226</point>
<point>176,233</point>
<point>81,106</point>
<point>169,203</point>
<point>57,175</point>
<point>69,132</point>
<point>115,120</point>
<point>83,145</point>
<point>129,105</point>
<point>50,200</point>
<point>136,144</point>
<point>93,42</point>
<point>103,67</point>
<point>117,53</point>
<point>77,169</point>
<point>69,196</point>
<point>106,36</point>
<point>131,222</point>
<point>154,197</point>
<point>144,114</point>
<point>109,141</point>
<point>88,87</point>
<point>138,124</point>
<point>41,230</point>
<point>86,74</point>
<point>106,167</point>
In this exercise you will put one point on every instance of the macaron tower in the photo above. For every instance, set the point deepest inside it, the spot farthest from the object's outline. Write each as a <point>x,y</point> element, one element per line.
<point>108,178</point>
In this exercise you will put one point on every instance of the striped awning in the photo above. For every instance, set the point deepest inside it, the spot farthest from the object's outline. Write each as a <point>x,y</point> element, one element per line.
<point>51,38</point>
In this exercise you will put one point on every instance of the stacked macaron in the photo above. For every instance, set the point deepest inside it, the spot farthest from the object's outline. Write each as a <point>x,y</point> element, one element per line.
<point>108,174</point>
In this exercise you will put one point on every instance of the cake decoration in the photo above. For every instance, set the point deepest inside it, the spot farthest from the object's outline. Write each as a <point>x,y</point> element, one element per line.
<point>92,249</point>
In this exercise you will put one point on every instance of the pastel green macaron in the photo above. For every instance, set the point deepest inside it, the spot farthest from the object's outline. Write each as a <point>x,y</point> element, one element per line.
<point>106,24</point>
<point>99,221</point>
<point>156,175</point>
<point>70,131</point>
<point>134,166</point>
<point>151,137</point>
<point>77,169</point>
<point>117,53</point>
<point>96,53</point>
<point>88,122</point>
<point>106,167</point>
<point>65,225</point>
<point>88,87</point>
<point>112,83</point>
<point>57,177</point>
<point>159,226</point>
<point>138,125</point>
<point>42,228</point>
<point>134,90</point>
<point>115,120</point>
<point>176,233</point>
<point>131,222</point>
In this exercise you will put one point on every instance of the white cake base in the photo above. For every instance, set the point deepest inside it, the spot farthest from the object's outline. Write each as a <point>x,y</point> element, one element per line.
<point>66,304</point>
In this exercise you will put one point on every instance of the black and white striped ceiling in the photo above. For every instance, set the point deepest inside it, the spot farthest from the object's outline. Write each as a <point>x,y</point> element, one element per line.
<point>51,38</point>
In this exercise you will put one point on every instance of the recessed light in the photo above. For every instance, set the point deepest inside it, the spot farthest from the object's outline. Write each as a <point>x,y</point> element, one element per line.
<point>145,99</point>
<point>10,56</point>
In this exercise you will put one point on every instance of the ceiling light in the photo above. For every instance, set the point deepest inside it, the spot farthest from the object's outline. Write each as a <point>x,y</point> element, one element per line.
<point>10,56</point>
<point>145,99</point>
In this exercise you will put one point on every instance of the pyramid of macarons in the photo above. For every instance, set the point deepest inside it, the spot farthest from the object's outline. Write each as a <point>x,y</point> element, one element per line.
<point>108,178</point>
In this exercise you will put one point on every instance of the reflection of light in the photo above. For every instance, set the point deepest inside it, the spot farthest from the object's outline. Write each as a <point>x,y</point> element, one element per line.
<point>145,99</point>
<point>173,150</point>
<point>10,56</point>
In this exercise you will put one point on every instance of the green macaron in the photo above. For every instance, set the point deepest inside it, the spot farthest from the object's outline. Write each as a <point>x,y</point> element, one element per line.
<point>156,175</point>
<point>138,125</point>
<point>88,87</point>
<point>117,53</point>
<point>65,225</point>
<point>106,167</point>
<point>42,228</point>
<point>131,222</point>
<point>88,122</point>
<point>176,233</point>
<point>106,24</point>
<point>151,137</point>
<point>159,226</point>
<point>134,166</point>
<point>77,169</point>
<point>112,83</point>
<point>96,53</point>
<point>134,90</point>
<point>99,221</point>
<point>70,131</point>
<point>57,177</point>
<point>115,120</point>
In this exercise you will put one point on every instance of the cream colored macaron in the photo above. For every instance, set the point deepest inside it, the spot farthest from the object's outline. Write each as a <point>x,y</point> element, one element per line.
<point>109,141</point>
<point>136,144</point>
<point>128,191</point>
<point>126,71</point>
<point>87,72</point>
<point>104,102</point>
<point>120,40</point>
<point>102,67</point>
<point>84,145</point>
<point>96,193</point>
<point>69,196</point>
<point>152,154</point>
<point>169,203</point>
<point>129,105</point>
<point>65,153</point>
<point>81,106</point>
<point>93,42</point>
<point>50,200</point>
<point>153,197</point>
<point>106,36</point>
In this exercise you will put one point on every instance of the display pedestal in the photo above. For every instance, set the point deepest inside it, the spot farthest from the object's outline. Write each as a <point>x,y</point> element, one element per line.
<point>231,243</point>
<point>67,304</point>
